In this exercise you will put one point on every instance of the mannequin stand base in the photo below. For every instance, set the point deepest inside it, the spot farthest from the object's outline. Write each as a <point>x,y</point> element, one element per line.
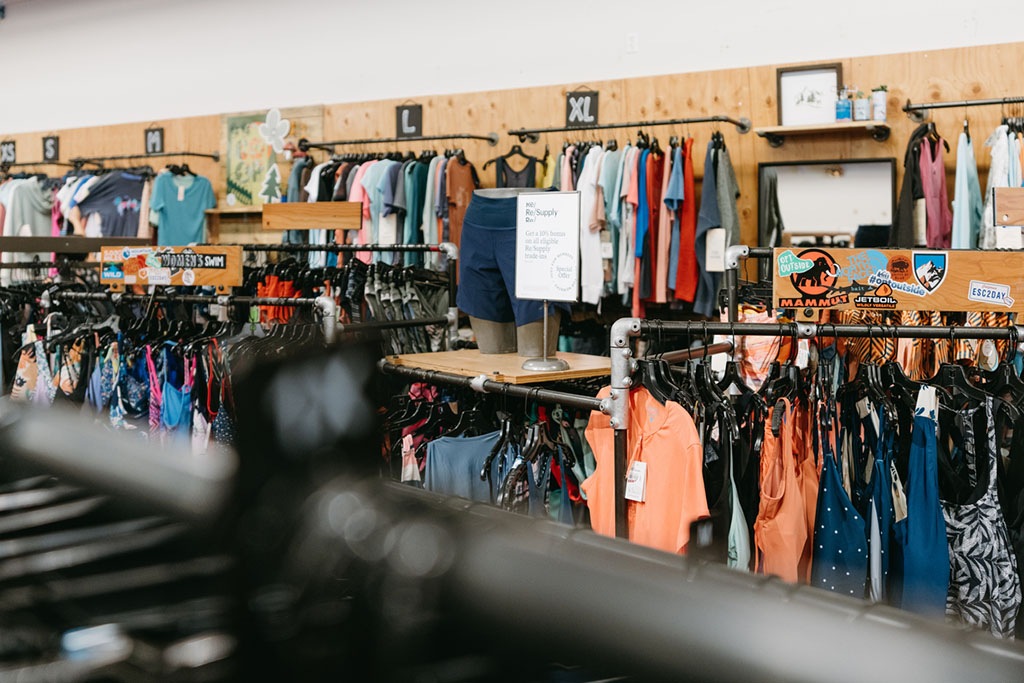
<point>546,365</point>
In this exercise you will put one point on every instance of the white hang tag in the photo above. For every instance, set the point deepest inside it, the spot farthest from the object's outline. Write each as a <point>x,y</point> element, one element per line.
<point>181,193</point>
<point>862,408</point>
<point>1008,237</point>
<point>636,482</point>
<point>714,254</point>
<point>803,353</point>
<point>606,250</point>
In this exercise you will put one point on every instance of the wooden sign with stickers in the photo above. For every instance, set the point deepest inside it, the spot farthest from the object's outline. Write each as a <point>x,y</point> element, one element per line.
<point>200,266</point>
<point>898,279</point>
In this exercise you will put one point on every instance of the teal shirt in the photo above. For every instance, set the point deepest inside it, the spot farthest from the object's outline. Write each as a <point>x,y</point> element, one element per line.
<point>370,181</point>
<point>181,203</point>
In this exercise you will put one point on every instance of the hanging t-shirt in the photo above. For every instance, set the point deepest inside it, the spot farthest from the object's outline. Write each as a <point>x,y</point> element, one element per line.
<point>181,202</point>
<point>460,183</point>
<point>663,445</point>
<point>117,199</point>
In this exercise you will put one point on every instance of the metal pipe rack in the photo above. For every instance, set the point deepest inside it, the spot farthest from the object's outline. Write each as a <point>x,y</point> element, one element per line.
<point>743,126</point>
<point>329,145</point>
<point>919,112</point>
<point>488,386</point>
<point>449,249</point>
<point>623,364</point>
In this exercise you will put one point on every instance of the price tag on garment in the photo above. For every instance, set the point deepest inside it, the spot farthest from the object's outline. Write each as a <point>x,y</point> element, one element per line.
<point>862,408</point>
<point>548,246</point>
<point>714,253</point>
<point>636,482</point>
<point>181,193</point>
<point>606,250</point>
<point>1008,237</point>
<point>899,500</point>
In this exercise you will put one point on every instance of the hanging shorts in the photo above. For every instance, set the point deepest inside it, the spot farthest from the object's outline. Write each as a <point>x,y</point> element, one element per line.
<point>487,265</point>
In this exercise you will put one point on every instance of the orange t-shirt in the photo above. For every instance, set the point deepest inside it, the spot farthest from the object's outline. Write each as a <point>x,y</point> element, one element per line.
<point>665,438</point>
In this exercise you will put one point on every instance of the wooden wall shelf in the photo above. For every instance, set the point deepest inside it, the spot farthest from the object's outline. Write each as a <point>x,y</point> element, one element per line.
<point>776,135</point>
<point>313,216</point>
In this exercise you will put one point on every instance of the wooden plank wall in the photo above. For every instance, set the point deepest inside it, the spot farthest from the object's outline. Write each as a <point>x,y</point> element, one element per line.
<point>967,73</point>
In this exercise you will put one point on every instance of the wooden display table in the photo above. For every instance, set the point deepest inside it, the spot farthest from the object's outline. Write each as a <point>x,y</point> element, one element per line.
<point>503,367</point>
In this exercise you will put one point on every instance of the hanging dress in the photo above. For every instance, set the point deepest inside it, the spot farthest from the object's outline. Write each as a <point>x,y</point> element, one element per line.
<point>984,587</point>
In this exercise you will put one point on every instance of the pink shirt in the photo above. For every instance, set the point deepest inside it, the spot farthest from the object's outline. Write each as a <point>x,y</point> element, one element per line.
<point>358,194</point>
<point>565,184</point>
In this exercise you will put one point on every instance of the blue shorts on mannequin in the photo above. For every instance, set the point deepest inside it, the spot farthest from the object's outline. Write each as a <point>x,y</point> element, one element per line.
<point>487,265</point>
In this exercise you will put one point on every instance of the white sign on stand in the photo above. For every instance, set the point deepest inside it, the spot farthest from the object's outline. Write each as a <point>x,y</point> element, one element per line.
<point>548,246</point>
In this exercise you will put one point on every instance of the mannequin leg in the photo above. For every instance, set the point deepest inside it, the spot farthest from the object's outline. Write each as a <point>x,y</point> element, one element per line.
<point>529,336</point>
<point>492,337</point>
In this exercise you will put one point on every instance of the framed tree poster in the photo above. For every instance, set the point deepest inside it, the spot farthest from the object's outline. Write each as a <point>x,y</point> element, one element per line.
<point>249,158</point>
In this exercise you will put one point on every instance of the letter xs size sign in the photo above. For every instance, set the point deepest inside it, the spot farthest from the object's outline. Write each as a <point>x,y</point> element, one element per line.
<point>581,108</point>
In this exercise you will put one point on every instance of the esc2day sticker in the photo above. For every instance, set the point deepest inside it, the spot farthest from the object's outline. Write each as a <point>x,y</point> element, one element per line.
<point>188,278</point>
<point>989,293</point>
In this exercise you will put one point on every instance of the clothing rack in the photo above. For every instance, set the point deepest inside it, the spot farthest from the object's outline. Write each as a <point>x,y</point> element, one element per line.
<point>72,244</point>
<point>325,305</point>
<point>22,164</point>
<point>329,145</point>
<point>490,569</point>
<point>447,248</point>
<point>743,125</point>
<point>731,276</point>
<point>623,365</point>
<point>80,161</point>
<point>919,112</point>
<point>488,386</point>
<point>40,265</point>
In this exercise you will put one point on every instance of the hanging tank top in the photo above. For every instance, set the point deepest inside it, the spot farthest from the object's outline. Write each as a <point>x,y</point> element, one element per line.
<point>984,587</point>
<point>506,176</point>
<point>780,531</point>
<point>840,546</point>
<point>924,581</point>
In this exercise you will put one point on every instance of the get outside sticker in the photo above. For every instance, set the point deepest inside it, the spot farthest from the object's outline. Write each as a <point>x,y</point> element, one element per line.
<point>897,279</point>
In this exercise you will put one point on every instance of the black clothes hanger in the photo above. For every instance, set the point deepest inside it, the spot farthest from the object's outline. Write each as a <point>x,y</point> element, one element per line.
<point>517,150</point>
<point>933,135</point>
<point>732,378</point>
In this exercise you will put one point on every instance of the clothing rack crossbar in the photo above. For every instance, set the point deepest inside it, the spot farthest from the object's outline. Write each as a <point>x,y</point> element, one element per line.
<point>23,164</point>
<point>828,330</point>
<point>389,324</point>
<point>130,297</point>
<point>697,352</point>
<point>329,145</point>
<point>342,248</point>
<point>71,244</point>
<point>79,161</point>
<point>42,265</point>
<point>920,110</point>
<point>743,126</point>
<point>489,386</point>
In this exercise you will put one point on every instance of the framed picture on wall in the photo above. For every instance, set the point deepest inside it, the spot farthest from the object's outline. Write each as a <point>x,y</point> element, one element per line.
<point>807,94</point>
